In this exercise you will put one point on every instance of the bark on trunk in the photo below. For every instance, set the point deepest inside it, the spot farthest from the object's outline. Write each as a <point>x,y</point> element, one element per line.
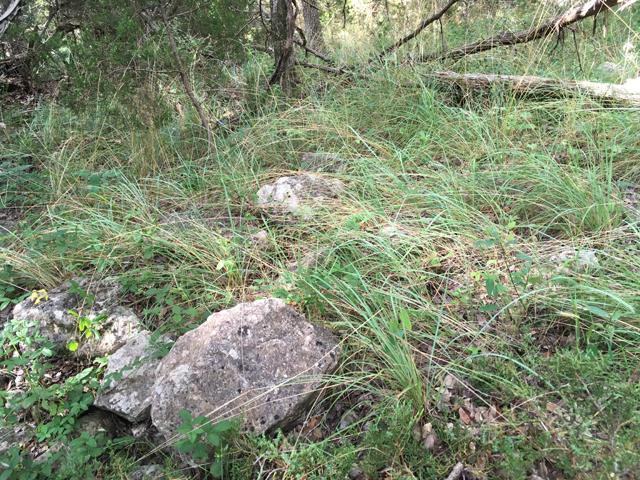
<point>11,12</point>
<point>312,25</point>
<point>283,21</point>
<point>554,25</point>
<point>542,87</point>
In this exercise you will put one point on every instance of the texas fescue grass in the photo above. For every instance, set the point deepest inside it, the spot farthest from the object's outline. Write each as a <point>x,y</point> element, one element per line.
<point>429,174</point>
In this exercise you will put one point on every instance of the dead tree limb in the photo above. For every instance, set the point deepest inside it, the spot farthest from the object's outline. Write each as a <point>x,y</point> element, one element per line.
<point>424,24</point>
<point>334,70</point>
<point>554,25</point>
<point>312,51</point>
<point>456,472</point>
<point>10,13</point>
<point>185,79</point>
<point>539,87</point>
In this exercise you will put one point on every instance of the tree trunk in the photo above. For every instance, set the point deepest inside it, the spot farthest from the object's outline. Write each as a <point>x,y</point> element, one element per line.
<point>312,25</point>
<point>283,22</point>
<point>11,12</point>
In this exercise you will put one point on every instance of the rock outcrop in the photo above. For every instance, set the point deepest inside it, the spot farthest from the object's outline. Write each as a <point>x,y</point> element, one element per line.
<point>52,318</point>
<point>261,360</point>
<point>130,395</point>
<point>299,196</point>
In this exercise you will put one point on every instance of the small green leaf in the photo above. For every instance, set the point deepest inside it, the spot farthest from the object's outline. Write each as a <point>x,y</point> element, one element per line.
<point>213,438</point>
<point>30,400</point>
<point>72,346</point>
<point>222,426</point>
<point>490,286</point>
<point>489,308</point>
<point>186,416</point>
<point>200,451</point>
<point>524,257</point>
<point>216,469</point>
<point>484,243</point>
<point>406,321</point>
<point>184,428</point>
<point>184,445</point>
<point>597,311</point>
<point>592,351</point>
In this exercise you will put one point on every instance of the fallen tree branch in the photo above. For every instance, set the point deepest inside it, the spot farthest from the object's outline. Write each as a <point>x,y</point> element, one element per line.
<point>456,472</point>
<point>334,70</point>
<point>321,56</point>
<point>422,26</point>
<point>554,25</point>
<point>541,87</point>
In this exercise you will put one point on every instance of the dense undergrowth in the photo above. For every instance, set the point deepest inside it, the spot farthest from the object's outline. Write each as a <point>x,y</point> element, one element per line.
<point>444,272</point>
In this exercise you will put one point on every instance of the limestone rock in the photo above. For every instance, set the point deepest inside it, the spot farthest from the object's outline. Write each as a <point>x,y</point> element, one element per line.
<point>130,396</point>
<point>322,162</point>
<point>313,259</point>
<point>298,196</point>
<point>96,422</point>
<point>55,323</point>
<point>261,360</point>
<point>9,438</point>
<point>582,260</point>
<point>147,472</point>
<point>610,67</point>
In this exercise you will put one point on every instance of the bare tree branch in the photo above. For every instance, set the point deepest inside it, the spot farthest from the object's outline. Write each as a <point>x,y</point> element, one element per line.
<point>422,26</point>
<point>334,70</point>
<point>185,78</point>
<point>312,51</point>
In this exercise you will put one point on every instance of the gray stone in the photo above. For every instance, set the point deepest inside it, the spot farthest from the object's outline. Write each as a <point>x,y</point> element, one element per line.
<point>9,438</point>
<point>393,233</point>
<point>259,239</point>
<point>311,260</point>
<point>261,360</point>
<point>130,396</point>
<point>9,219</point>
<point>610,67</point>
<point>96,422</point>
<point>298,196</point>
<point>323,162</point>
<point>55,323</point>
<point>147,472</point>
<point>582,260</point>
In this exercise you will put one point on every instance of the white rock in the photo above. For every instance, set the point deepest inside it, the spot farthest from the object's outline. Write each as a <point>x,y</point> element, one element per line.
<point>298,196</point>
<point>281,361</point>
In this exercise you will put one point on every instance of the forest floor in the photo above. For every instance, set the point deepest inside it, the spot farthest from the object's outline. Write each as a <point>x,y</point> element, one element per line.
<point>482,266</point>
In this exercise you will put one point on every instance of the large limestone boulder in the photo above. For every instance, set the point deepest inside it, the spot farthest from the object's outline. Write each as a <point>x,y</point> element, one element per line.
<point>299,196</point>
<point>51,316</point>
<point>130,395</point>
<point>261,360</point>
